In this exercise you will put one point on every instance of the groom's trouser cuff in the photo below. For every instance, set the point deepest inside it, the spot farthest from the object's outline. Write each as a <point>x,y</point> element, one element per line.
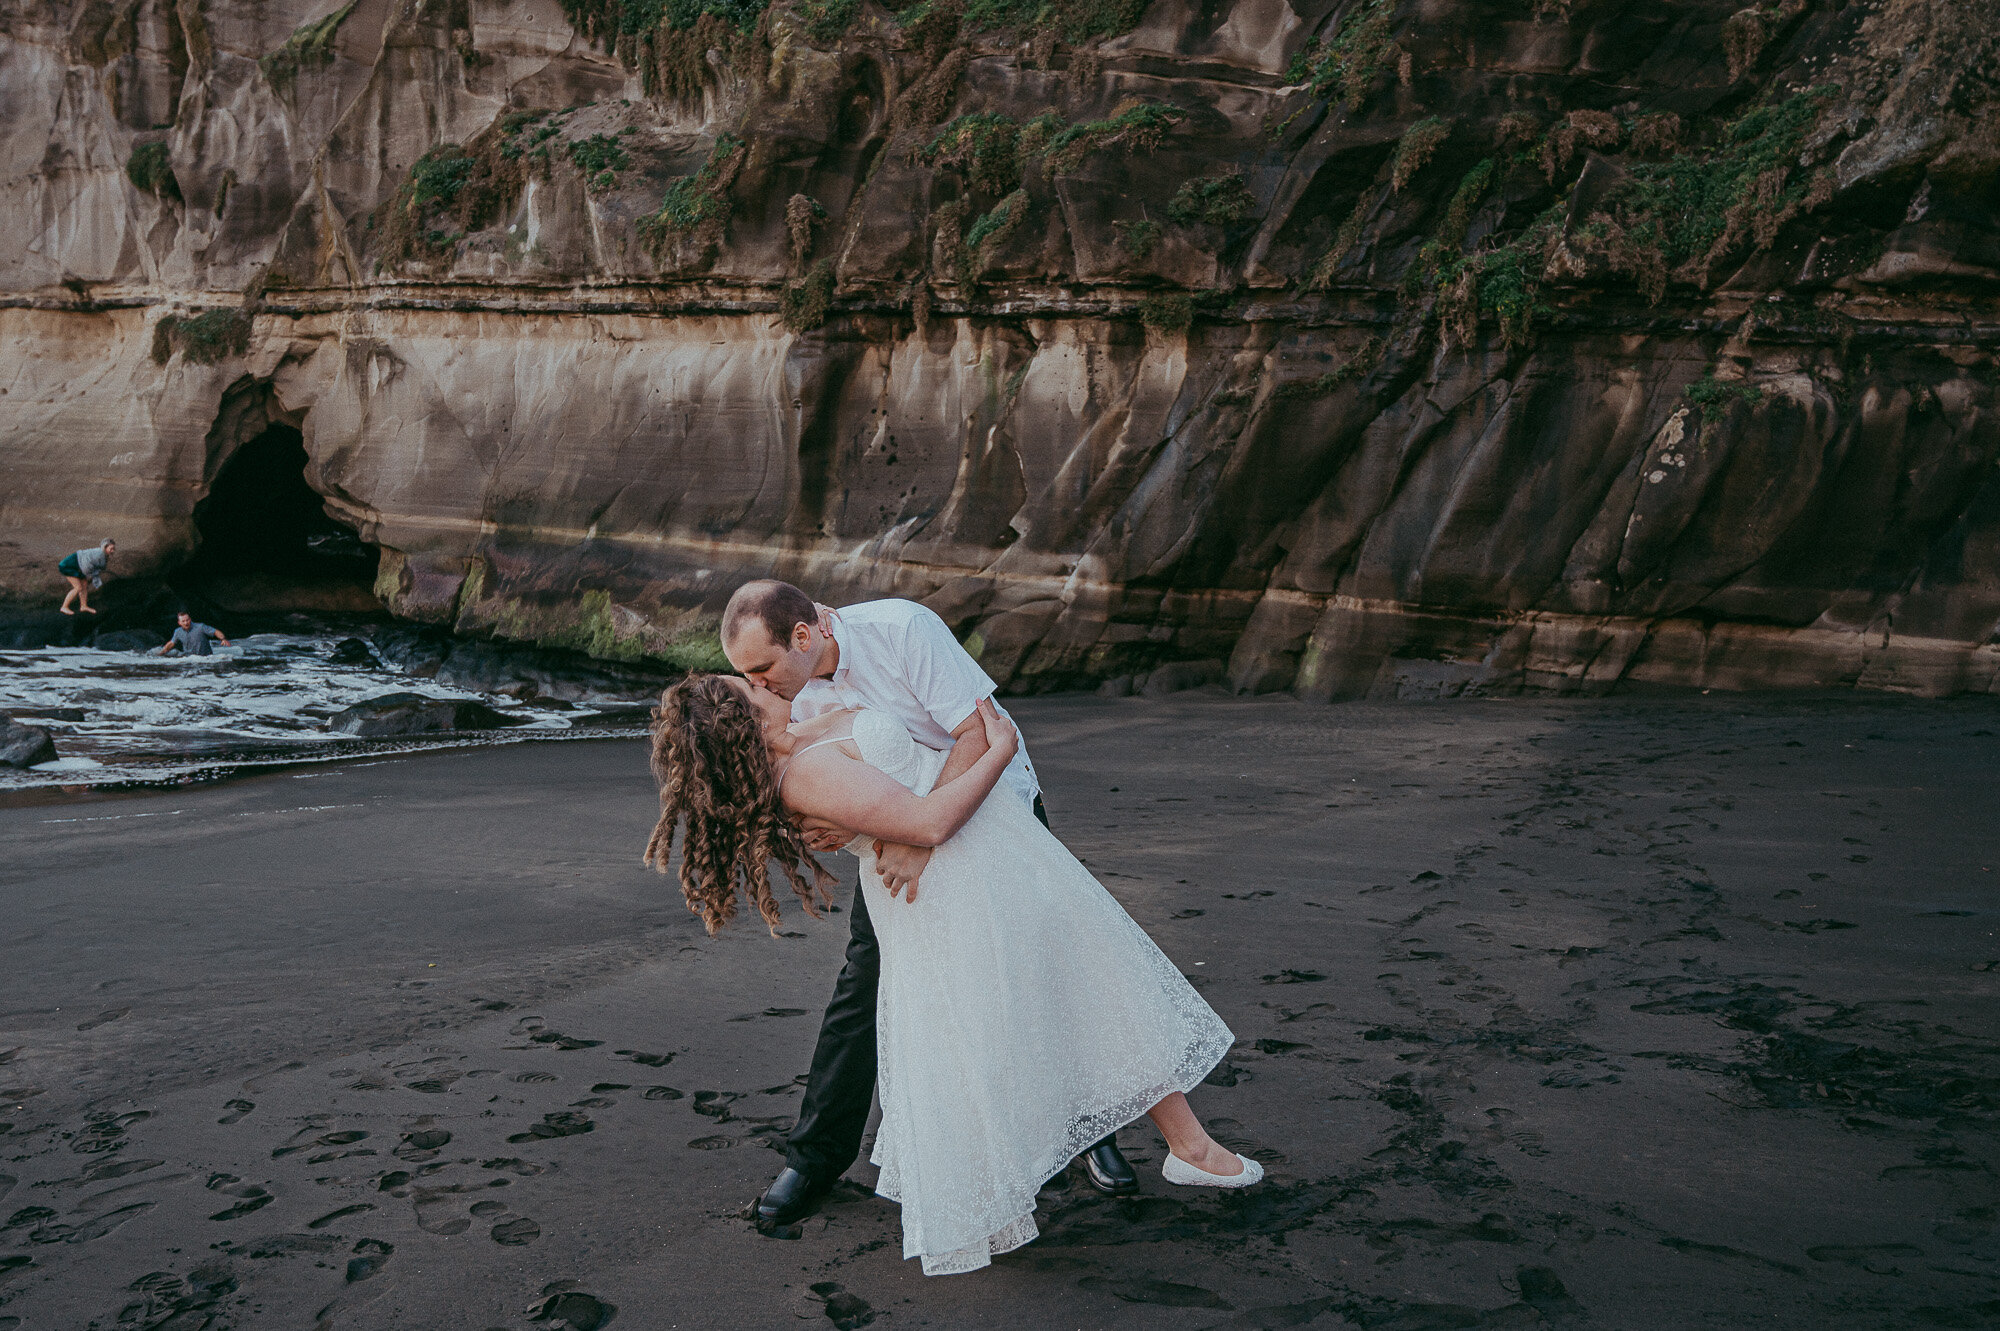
<point>840,1088</point>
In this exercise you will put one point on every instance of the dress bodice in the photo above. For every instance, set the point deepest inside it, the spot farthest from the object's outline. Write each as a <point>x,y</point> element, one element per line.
<point>887,747</point>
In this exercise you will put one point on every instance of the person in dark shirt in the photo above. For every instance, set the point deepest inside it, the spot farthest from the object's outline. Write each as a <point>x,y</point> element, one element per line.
<point>191,639</point>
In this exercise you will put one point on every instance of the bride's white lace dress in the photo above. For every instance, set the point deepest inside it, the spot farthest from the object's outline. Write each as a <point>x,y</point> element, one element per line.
<point>1022,1016</point>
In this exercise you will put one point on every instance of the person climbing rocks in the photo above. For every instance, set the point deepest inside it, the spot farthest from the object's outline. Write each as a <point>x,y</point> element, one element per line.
<point>84,569</point>
<point>191,639</point>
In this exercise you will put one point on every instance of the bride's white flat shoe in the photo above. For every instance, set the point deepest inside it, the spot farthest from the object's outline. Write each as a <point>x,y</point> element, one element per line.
<point>1177,1170</point>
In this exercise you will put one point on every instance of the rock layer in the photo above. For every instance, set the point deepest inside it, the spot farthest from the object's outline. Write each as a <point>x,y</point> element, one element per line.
<point>1393,347</point>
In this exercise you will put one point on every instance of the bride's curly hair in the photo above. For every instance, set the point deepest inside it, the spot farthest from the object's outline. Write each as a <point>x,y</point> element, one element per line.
<point>714,772</point>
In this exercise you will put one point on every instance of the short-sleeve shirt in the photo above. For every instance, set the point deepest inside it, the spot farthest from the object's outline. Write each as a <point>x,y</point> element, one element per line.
<point>193,640</point>
<point>898,657</point>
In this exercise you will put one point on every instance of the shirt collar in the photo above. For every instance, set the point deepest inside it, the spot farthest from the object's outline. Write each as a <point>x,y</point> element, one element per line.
<point>846,646</point>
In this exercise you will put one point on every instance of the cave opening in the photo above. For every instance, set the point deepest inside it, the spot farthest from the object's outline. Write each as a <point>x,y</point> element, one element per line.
<point>267,542</point>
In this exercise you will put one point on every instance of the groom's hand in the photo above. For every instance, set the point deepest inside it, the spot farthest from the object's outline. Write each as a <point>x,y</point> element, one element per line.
<point>824,837</point>
<point>901,866</point>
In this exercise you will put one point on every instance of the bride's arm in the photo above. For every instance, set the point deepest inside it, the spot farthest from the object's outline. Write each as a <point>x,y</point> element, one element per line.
<point>829,786</point>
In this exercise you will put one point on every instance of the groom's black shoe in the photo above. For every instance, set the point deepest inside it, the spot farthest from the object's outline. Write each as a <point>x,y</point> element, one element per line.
<point>791,1197</point>
<point>1108,1171</point>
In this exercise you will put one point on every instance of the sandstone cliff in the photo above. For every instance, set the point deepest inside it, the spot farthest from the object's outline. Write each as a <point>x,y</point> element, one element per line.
<point>1349,342</point>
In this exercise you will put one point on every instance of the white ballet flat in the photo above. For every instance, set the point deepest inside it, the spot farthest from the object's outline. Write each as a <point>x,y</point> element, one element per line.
<point>1177,1170</point>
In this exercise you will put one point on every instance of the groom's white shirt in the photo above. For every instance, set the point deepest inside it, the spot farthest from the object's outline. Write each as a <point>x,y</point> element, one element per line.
<point>898,657</point>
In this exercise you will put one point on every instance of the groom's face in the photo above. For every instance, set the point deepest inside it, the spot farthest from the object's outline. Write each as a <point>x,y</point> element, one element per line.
<point>781,668</point>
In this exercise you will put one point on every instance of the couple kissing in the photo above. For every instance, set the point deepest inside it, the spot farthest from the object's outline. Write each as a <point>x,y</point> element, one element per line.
<point>1008,1011</point>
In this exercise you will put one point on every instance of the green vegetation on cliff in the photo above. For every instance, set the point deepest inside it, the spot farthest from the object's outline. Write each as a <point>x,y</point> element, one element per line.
<point>151,169</point>
<point>600,157</point>
<point>1218,200</point>
<point>309,45</point>
<point>1345,67</point>
<point>698,203</point>
<point>804,302</point>
<point>203,338</point>
<point>1690,212</point>
<point>450,190</point>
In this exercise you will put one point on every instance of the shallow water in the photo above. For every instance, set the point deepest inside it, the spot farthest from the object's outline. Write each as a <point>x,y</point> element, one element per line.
<point>151,720</point>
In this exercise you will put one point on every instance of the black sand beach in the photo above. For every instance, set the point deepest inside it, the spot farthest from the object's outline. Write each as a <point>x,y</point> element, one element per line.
<point>1641,1012</point>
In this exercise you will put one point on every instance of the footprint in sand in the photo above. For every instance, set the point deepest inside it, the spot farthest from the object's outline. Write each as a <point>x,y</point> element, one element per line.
<point>236,1110</point>
<point>512,1166</point>
<point>371,1256</point>
<point>717,1143</point>
<point>102,1019</point>
<point>421,1144</point>
<point>562,1304</point>
<point>715,1104</point>
<point>846,1311</point>
<point>649,1060</point>
<point>106,1132</point>
<point>662,1093</point>
<point>343,1212</point>
<point>513,1231</point>
<point>344,1138</point>
<point>437,1208</point>
<point>252,1196</point>
<point>562,1124</point>
<point>534,1078</point>
<point>79,1231</point>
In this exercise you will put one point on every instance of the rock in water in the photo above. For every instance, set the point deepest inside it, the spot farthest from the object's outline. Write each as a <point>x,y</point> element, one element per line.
<point>24,746</point>
<point>351,651</point>
<point>414,714</point>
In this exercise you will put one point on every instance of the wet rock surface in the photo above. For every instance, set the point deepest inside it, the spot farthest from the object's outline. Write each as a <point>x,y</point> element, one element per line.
<point>24,745</point>
<point>415,714</point>
<point>1561,347</point>
<point>1627,1012</point>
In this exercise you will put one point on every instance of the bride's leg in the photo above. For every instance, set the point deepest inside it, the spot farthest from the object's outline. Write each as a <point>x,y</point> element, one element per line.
<point>1187,1139</point>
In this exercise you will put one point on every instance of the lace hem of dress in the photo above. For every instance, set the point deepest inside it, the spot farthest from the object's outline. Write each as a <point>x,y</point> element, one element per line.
<point>1199,1059</point>
<point>961,1260</point>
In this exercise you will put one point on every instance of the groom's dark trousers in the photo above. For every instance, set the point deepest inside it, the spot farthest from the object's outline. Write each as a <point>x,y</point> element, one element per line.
<point>841,1087</point>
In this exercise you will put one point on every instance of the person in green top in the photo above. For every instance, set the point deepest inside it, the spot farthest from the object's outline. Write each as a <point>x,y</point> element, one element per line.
<point>84,569</point>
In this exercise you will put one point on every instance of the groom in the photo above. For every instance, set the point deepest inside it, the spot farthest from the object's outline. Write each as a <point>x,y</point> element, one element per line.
<point>897,657</point>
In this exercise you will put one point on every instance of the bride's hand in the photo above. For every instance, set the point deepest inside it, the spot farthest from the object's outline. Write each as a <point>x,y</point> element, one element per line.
<point>1000,732</point>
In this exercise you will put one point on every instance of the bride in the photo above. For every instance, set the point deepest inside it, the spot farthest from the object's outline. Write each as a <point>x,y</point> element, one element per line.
<point>1022,1014</point>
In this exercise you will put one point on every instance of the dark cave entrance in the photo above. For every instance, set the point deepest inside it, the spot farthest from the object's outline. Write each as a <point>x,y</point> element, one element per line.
<point>267,542</point>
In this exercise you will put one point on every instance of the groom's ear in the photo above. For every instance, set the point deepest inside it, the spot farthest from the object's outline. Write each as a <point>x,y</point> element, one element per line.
<point>802,637</point>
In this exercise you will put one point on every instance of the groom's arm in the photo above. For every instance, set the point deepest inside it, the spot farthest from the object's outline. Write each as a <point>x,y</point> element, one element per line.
<point>901,866</point>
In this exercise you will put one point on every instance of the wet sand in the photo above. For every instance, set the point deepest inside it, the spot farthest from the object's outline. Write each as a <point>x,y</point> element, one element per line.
<point>1627,1013</point>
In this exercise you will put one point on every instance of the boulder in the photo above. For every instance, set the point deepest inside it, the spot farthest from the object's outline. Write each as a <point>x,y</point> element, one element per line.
<point>24,746</point>
<point>1179,676</point>
<point>128,640</point>
<point>351,652</point>
<point>413,714</point>
<point>417,651</point>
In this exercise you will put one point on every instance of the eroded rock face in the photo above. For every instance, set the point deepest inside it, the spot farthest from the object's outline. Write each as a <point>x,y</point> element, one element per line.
<point>1392,347</point>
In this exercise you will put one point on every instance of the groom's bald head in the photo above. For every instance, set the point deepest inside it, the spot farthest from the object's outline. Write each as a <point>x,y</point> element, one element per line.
<point>770,632</point>
<point>778,606</point>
